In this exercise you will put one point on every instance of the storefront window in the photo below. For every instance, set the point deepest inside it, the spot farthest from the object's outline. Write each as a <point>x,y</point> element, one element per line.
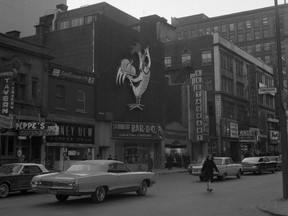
<point>135,153</point>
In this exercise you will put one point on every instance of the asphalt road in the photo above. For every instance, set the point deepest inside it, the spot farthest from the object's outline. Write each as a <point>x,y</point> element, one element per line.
<point>174,194</point>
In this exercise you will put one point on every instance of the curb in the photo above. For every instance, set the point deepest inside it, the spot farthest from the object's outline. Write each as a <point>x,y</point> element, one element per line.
<point>271,211</point>
<point>167,173</point>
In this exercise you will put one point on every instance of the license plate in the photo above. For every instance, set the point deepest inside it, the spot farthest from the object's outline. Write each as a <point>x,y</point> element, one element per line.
<point>54,191</point>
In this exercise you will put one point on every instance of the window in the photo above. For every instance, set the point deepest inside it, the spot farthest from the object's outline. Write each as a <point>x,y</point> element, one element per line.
<point>60,96</point>
<point>168,62</point>
<point>186,59</point>
<point>265,33</point>
<point>256,22</point>
<point>240,37</point>
<point>201,32</point>
<point>88,19</point>
<point>8,147</point>
<point>249,49</point>
<point>81,101</point>
<point>223,28</point>
<point>240,25</point>
<point>240,89</point>
<point>257,35</point>
<point>185,34</point>
<point>34,88</point>
<point>216,29</point>
<point>64,25</point>
<point>20,87</point>
<point>193,33</point>
<point>248,24</point>
<point>239,67</point>
<point>231,27</point>
<point>266,46</point>
<point>206,57</point>
<point>208,31</point>
<point>77,22</point>
<point>258,47</point>
<point>265,21</point>
<point>267,59</point>
<point>248,36</point>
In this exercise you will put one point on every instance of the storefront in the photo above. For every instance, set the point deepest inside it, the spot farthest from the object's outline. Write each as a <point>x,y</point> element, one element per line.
<point>75,142</point>
<point>133,142</point>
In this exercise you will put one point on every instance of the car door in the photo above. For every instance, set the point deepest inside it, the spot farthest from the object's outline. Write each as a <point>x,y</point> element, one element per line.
<point>126,178</point>
<point>233,170</point>
<point>26,175</point>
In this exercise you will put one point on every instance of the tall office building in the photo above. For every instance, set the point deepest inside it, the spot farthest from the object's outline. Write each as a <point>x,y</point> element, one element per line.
<point>22,15</point>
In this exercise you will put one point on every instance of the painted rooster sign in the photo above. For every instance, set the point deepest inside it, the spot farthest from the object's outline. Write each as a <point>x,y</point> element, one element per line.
<point>138,78</point>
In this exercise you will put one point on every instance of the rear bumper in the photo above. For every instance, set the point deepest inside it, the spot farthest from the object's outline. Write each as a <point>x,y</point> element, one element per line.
<point>59,191</point>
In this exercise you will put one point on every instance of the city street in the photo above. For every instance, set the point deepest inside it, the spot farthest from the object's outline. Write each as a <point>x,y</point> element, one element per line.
<point>173,194</point>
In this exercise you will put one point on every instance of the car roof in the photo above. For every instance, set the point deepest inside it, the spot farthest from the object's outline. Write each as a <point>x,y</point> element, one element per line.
<point>101,162</point>
<point>23,164</point>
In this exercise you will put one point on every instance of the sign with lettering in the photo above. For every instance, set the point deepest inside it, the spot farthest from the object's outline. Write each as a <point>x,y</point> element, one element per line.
<point>37,129</point>
<point>56,72</point>
<point>73,133</point>
<point>135,130</point>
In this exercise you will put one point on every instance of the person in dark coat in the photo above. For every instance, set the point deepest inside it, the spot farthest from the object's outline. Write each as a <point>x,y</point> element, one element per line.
<point>150,163</point>
<point>170,161</point>
<point>207,171</point>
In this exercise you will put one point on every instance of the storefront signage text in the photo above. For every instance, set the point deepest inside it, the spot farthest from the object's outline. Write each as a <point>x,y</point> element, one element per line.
<point>134,130</point>
<point>73,133</point>
<point>72,76</point>
<point>37,129</point>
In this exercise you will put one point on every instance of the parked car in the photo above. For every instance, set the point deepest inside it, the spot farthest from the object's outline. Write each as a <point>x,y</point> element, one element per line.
<point>278,161</point>
<point>258,165</point>
<point>17,177</point>
<point>96,178</point>
<point>225,165</point>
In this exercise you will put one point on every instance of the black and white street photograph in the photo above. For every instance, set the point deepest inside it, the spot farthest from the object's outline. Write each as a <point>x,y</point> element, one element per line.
<point>143,108</point>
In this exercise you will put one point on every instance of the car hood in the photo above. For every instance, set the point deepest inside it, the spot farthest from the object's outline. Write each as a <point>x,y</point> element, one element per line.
<point>4,174</point>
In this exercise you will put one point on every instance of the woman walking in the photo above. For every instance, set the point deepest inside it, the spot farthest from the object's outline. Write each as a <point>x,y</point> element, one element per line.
<point>207,171</point>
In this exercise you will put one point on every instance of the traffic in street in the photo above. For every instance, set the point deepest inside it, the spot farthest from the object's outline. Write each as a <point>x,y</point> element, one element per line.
<point>173,194</point>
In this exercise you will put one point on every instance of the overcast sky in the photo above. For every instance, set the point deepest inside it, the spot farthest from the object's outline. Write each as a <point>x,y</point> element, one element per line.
<point>179,8</point>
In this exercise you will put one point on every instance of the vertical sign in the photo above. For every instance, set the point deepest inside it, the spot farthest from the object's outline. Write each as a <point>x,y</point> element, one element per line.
<point>7,98</point>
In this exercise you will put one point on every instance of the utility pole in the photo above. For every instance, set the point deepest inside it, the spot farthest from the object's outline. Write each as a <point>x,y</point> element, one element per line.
<point>281,106</point>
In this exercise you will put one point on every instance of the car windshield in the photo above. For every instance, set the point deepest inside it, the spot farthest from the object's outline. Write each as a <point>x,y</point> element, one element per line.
<point>250,160</point>
<point>84,168</point>
<point>10,169</point>
<point>218,161</point>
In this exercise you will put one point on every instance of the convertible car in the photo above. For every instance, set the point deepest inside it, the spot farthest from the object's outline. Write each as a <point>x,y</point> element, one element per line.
<point>17,177</point>
<point>258,165</point>
<point>225,165</point>
<point>96,178</point>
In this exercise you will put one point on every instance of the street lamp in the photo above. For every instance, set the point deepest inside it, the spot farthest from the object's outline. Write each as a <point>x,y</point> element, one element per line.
<point>281,107</point>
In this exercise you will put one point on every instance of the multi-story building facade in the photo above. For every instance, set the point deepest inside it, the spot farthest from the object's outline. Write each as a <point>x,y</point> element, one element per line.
<point>24,72</point>
<point>220,104</point>
<point>120,51</point>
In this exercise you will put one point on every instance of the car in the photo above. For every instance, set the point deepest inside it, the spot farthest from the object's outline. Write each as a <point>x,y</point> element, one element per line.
<point>17,177</point>
<point>95,178</point>
<point>258,165</point>
<point>225,165</point>
<point>278,161</point>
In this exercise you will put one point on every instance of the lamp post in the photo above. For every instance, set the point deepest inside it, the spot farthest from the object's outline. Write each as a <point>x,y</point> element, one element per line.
<point>281,106</point>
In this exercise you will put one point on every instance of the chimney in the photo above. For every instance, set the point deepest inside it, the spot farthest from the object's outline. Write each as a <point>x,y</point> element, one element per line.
<point>41,31</point>
<point>62,7</point>
<point>14,33</point>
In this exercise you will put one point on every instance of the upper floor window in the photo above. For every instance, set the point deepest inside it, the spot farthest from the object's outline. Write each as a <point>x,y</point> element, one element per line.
<point>240,25</point>
<point>248,36</point>
<point>216,29</point>
<point>239,67</point>
<point>64,25</point>
<point>258,47</point>
<point>256,22</point>
<point>265,21</point>
<point>81,101</point>
<point>223,28</point>
<point>206,57</point>
<point>34,88</point>
<point>266,33</point>
<point>266,46</point>
<point>77,22</point>
<point>60,96</point>
<point>248,24</point>
<point>231,27</point>
<point>88,19</point>
<point>168,62</point>
<point>186,59</point>
<point>21,87</point>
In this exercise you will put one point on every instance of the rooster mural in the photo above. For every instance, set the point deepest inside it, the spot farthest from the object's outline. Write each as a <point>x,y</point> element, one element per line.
<point>138,78</point>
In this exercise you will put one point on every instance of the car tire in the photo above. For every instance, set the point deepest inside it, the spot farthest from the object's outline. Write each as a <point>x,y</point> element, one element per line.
<point>239,174</point>
<point>4,190</point>
<point>61,198</point>
<point>99,195</point>
<point>224,176</point>
<point>142,190</point>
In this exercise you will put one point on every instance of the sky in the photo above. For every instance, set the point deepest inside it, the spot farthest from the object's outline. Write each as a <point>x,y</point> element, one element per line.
<point>179,8</point>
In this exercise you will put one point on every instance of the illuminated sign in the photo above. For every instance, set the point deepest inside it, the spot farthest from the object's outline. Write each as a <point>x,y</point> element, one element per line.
<point>138,77</point>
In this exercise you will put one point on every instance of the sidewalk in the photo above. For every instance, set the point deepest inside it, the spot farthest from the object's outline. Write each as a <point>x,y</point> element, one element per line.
<point>165,171</point>
<point>277,207</point>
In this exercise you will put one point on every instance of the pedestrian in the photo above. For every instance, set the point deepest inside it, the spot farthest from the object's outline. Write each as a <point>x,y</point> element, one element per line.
<point>150,163</point>
<point>207,171</point>
<point>109,157</point>
<point>170,161</point>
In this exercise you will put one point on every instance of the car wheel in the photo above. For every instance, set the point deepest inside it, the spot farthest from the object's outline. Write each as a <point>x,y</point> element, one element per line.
<point>142,190</point>
<point>223,177</point>
<point>61,198</point>
<point>239,174</point>
<point>99,195</point>
<point>4,190</point>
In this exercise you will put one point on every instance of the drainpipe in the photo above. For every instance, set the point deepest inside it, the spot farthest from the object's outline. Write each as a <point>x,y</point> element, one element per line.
<point>54,19</point>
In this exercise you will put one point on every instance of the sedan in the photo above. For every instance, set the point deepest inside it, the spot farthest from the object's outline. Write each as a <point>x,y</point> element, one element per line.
<point>225,165</point>
<point>258,165</point>
<point>17,177</point>
<point>96,178</point>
